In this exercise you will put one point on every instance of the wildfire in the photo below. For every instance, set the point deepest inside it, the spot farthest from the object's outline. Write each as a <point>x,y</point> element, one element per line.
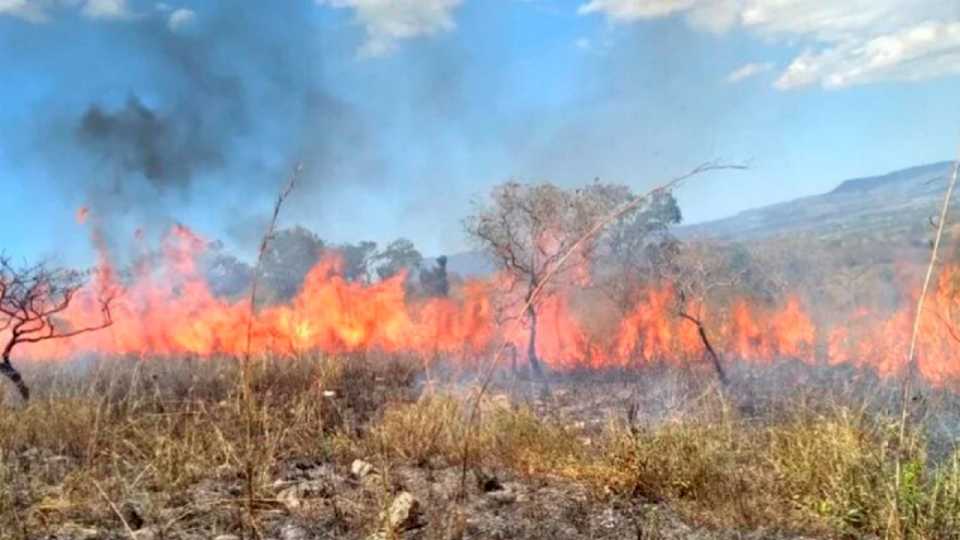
<point>168,309</point>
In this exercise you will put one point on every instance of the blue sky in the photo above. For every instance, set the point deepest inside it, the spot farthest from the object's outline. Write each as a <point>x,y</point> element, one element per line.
<point>406,111</point>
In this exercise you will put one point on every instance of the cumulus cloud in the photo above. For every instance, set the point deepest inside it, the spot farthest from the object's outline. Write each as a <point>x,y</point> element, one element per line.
<point>180,17</point>
<point>915,53</point>
<point>749,70</point>
<point>106,9</point>
<point>29,10</point>
<point>846,43</point>
<point>39,11</point>
<point>387,22</point>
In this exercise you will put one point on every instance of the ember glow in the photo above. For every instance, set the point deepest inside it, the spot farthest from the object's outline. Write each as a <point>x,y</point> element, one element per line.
<point>168,310</point>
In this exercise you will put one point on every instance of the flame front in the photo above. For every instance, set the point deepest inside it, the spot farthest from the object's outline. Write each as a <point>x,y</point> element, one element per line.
<point>169,310</point>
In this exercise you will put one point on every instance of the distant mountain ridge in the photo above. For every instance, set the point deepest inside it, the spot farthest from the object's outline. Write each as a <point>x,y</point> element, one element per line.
<point>895,203</point>
<point>902,176</point>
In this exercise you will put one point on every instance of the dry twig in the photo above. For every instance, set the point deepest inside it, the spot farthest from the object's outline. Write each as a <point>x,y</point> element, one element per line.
<point>250,461</point>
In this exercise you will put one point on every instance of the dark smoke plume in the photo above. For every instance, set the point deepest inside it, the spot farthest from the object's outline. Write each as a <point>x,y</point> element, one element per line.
<point>165,150</point>
<point>211,115</point>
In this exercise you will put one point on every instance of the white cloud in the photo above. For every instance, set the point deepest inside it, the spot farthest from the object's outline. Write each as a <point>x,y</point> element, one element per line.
<point>916,53</point>
<point>29,10</point>
<point>632,10</point>
<point>847,42</point>
<point>749,70</point>
<point>584,44</point>
<point>106,9</point>
<point>388,21</point>
<point>180,17</point>
<point>39,11</point>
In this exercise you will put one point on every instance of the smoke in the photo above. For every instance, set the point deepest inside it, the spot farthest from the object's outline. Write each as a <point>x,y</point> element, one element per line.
<point>165,151</point>
<point>212,112</point>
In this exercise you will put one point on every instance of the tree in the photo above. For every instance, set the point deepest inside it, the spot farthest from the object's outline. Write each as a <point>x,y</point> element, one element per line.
<point>226,274</point>
<point>290,256</point>
<point>358,260</point>
<point>638,246</point>
<point>31,298</point>
<point>707,275</point>
<point>699,273</point>
<point>434,281</point>
<point>528,228</point>
<point>396,257</point>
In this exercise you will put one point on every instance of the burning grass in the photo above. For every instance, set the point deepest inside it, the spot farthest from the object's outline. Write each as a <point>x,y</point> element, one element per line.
<point>166,441</point>
<point>167,308</point>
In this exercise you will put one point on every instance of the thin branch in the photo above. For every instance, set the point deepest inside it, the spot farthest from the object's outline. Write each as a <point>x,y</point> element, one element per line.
<point>116,511</point>
<point>623,210</point>
<point>911,354</point>
<point>246,387</point>
<point>264,243</point>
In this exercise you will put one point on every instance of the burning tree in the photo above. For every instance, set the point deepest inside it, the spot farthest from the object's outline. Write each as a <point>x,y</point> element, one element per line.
<point>31,299</point>
<point>638,247</point>
<point>528,229</point>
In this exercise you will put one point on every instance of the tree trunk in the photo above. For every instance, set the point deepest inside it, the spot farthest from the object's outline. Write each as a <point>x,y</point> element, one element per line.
<point>10,372</point>
<point>714,357</point>
<point>532,343</point>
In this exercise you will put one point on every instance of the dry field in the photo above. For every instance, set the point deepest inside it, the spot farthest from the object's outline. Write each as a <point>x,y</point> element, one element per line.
<point>380,448</point>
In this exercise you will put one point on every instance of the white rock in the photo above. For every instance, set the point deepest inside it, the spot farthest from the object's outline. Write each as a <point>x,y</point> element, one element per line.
<point>293,532</point>
<point>73,531</point>
<point>403,513</point>
<point>360,468</point>
<point>507,495</point>
<point>145,534</point>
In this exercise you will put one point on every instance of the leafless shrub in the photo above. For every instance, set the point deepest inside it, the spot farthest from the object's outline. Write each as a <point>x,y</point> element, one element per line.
<point>31,298</point>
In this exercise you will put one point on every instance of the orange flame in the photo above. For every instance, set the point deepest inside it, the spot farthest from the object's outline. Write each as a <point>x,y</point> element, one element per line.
<point>168,309</point>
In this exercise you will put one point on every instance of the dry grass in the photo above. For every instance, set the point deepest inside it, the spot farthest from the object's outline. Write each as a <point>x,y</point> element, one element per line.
<point>832,474</point>
<point>152,432</point>
<point>167,437</point>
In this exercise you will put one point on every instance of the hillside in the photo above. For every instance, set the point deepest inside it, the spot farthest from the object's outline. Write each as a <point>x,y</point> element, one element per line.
<point>894,209</point>
<point>891,204</point>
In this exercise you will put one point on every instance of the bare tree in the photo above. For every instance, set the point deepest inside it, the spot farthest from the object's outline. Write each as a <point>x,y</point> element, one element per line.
<point>707,275</point>
<point>529,230</point>
<point>31,298</point>
<point>698,274</point>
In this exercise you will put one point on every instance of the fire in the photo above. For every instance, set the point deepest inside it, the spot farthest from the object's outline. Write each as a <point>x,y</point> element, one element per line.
<point>167,309</point>
<point>171,310</point>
